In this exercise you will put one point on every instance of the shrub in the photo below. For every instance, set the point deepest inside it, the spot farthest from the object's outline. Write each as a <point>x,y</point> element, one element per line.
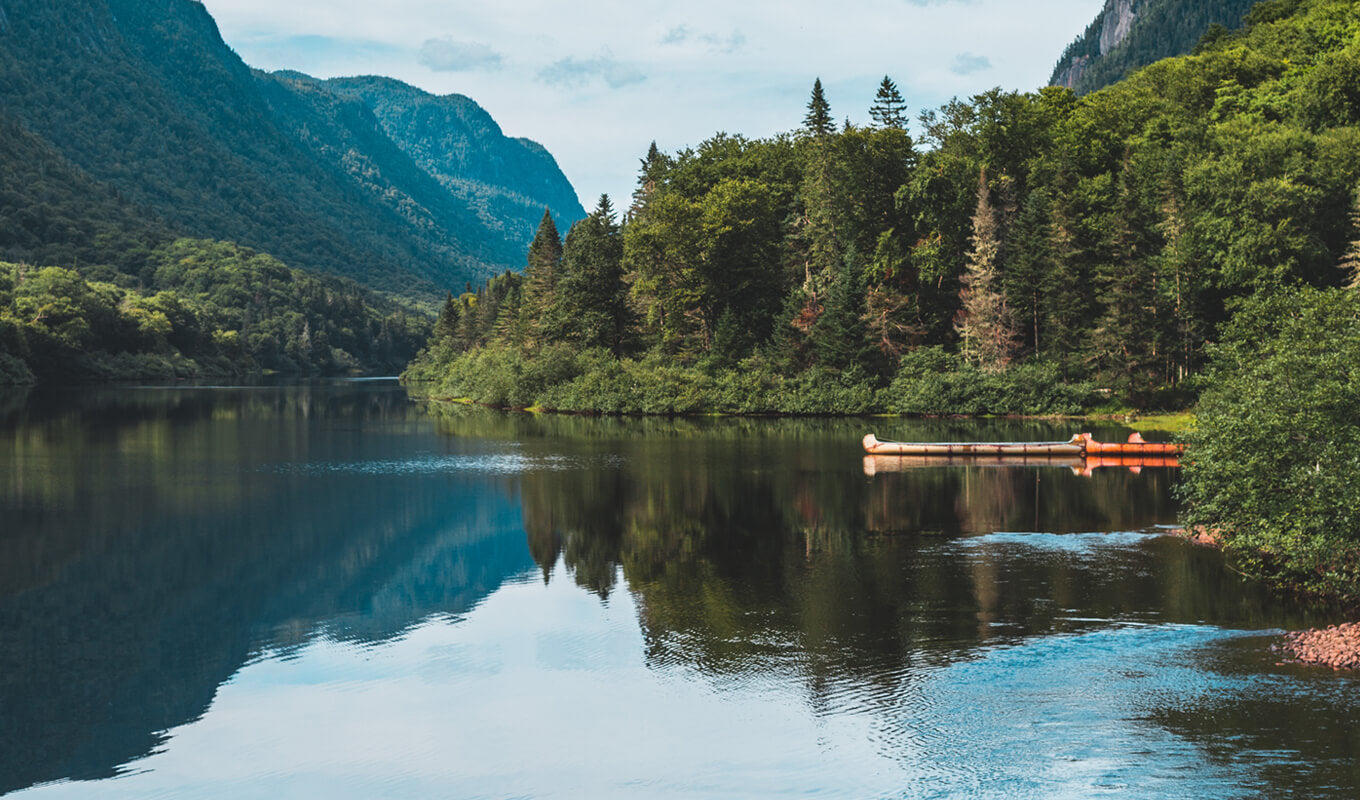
<point>1274,462</point>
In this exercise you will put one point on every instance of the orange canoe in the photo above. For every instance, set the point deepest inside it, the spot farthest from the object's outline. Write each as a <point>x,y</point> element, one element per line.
<point>1135,446</point>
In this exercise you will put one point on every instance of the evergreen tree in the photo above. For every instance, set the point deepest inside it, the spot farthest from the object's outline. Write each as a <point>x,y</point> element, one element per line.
<point>541,278</point>
<point>652,172</point>
<point>592,298</point>
<point>446,327</point>
<point>1350,260</point>
<point>818,119</point>
<point>840,338</point>
<point>889,109</point>
<point>985,324</point>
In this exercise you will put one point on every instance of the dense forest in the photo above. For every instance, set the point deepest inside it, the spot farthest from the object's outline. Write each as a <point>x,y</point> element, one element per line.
<point>1026,252</point>
<point>200,308</point>
<point>130,297</point>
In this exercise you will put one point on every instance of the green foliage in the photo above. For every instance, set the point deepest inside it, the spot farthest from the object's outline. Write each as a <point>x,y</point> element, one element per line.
<point>590,307</point>
<point>889,109</point>
<point>1109,240</point>
<point>210,308</point>
<point>1274,461</point>
<point>818,120</point>
<point>933,381</point>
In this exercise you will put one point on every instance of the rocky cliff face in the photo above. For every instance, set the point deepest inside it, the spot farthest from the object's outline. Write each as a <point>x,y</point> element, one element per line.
<point>1129,34</point>
<point>1109,30</point>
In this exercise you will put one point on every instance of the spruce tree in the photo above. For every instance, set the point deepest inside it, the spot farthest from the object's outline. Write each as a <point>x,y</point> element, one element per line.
<point>985,325</point>
<point>889,109</point>
<point>652,172</point>
<point>446,327</point>
<point>818,120</point>
<point>592,297</point>
<point>1350,260</point>
<point>541,277</point>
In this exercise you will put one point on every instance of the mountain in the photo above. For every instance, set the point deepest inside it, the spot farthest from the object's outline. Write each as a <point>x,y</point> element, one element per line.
<point>144,96</point>
<point>506,181</point>
<point>1128,34</point>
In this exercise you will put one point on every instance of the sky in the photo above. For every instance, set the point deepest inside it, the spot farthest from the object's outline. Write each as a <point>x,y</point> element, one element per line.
<point>597,82</point>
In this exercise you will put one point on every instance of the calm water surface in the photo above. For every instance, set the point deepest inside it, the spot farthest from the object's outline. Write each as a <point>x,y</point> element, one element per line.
<point>329,591</point>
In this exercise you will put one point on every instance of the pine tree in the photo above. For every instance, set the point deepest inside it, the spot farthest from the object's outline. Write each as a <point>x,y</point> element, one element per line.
<point>446,327</point>
<point>985,324</point>
<point>652,172</point>
<point>541,278</point>
<point>592,298</point>
<point>889,109</point>
<point>1350,260</point>
<point>839,337</point>
<point>818,120</point>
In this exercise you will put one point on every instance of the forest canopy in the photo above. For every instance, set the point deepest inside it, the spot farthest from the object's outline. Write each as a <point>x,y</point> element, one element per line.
<point>1023,252</point>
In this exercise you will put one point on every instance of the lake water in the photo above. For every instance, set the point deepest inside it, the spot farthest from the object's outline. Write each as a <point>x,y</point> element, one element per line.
<point>328,591</point>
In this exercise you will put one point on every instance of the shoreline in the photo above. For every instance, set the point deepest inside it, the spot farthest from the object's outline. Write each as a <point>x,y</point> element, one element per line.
<point>1335,646</point>
<point>1168,422</point>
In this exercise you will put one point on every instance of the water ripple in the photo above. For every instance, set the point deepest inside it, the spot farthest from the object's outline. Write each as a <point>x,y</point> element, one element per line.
<point>1067,716</point>
<point>1072,543</point>
<point>485,463</point>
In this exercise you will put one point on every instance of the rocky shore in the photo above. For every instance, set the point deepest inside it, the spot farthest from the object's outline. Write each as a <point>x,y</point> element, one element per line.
<point>1337,647</point>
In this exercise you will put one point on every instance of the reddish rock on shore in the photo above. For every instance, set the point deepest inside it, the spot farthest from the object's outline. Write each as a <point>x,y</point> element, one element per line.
<point>1337,647</point>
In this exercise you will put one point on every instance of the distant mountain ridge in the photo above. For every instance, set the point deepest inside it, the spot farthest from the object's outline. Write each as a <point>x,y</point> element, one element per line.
<point>144,96</point>
<point>1128,34</point>
<point>455,140</point>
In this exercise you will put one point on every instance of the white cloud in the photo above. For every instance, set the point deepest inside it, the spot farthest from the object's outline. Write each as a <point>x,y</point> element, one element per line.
<point>575,72</point>
<point>713,42</point>
<point>967,64</point>
<point>448,55</point>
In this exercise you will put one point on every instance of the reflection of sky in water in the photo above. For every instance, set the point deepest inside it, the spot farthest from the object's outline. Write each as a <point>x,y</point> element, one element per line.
<point>485,463</point>
<point>1064,716</point>
<point>1071,543</point>
<point>540,692</point>
<point>545,691</point>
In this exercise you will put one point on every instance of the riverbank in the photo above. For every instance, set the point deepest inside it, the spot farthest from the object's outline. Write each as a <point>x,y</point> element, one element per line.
<point>1336,646</point>
<point>593,381</point>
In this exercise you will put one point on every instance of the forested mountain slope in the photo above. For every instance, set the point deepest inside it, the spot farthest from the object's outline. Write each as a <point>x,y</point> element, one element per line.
<point>91,288</point>
<point>145,96</point>
<point>1128,34</point>
<point>507,182</point>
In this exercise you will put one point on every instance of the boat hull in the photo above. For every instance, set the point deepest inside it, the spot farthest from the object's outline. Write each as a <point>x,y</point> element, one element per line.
<point>1072,447</point>
<point>1083,444</point>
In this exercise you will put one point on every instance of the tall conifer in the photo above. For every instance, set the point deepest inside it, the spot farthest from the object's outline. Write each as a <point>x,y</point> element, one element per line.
<point>592,298</point>
<point>541,277</point>
<point>889,109</point>
<point>818,119</point>
<point>986,326</point>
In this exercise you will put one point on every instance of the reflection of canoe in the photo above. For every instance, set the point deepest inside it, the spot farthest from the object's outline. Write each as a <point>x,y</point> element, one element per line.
<point>1081,444</point>
<point>1080,465</point>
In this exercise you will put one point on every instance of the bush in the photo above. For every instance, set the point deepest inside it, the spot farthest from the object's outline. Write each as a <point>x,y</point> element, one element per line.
<point>932,381</point>
<point>1274,462</point>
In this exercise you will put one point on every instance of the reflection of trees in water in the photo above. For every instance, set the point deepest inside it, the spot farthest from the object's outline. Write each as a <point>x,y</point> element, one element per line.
<point>760,544</point>
<point>152,546</point>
